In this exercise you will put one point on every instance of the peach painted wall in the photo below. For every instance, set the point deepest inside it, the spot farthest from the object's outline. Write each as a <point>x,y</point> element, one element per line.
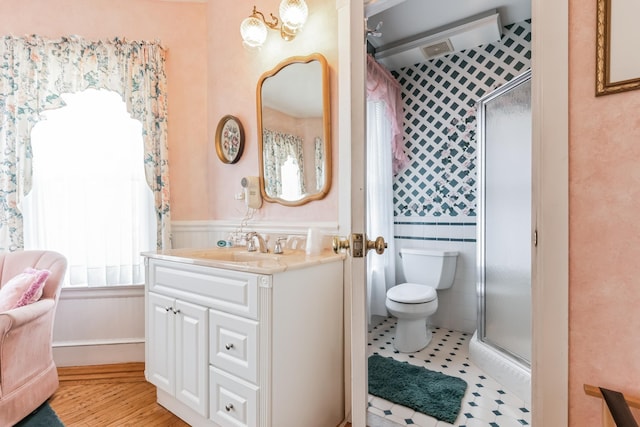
<point>233,75</point>
<point>604,233</point>
<point>181,27</point>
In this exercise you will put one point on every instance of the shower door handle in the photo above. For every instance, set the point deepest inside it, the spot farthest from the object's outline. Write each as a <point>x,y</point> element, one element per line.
<point>358,244</point>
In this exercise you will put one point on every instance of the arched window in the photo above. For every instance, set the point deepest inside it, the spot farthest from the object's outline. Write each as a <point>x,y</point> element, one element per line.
<point>38,71</point>
<point>90,200</point>
<point>291,179</point>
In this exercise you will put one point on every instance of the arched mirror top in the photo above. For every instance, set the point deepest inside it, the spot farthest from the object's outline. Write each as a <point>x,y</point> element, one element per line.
<point>294,131</point>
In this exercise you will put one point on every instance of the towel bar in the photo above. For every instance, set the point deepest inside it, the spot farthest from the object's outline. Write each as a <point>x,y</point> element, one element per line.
<point>607,418</point>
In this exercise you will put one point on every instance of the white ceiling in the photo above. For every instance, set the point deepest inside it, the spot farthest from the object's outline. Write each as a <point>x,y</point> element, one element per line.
<point>411,17</point>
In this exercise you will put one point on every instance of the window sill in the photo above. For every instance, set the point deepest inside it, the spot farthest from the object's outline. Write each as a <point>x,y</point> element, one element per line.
<point>97,292</point>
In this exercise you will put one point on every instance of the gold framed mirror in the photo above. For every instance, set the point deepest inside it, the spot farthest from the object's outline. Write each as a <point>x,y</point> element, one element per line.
<point>617,67</point>
<point>294,131</point>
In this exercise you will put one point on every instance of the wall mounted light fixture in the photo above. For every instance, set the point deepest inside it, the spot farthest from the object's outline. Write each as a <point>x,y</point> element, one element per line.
<point>293,15</point>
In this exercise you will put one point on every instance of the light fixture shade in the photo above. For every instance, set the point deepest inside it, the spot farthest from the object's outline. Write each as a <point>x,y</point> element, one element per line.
<point>253,31</point>
<point>293,14</point>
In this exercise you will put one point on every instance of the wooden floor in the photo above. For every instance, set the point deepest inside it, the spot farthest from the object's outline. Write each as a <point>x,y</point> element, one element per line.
<point>110,395</point>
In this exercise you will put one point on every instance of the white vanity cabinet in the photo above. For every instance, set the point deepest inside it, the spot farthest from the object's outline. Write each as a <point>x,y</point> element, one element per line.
<point>229,348</point>
<point>176,360</point>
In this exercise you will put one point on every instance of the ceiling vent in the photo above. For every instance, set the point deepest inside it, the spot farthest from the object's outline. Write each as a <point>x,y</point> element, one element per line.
<point>465,34</point>
<point>436,49</point>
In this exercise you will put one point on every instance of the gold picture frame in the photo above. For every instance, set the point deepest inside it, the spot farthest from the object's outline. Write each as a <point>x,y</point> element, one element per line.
<point>617,70</point>
<point>229,139</point>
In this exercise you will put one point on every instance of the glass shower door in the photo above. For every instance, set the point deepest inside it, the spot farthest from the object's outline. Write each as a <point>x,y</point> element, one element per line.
<point>505,218</point>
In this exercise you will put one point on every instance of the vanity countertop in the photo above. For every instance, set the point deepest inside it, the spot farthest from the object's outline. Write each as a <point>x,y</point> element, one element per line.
<point>238,259</point>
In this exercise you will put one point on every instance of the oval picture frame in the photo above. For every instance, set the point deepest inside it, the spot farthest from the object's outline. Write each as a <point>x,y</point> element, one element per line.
<point>229,139</point>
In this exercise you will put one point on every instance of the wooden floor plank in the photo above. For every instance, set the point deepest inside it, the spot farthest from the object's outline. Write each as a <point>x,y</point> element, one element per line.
<point>109,395</point>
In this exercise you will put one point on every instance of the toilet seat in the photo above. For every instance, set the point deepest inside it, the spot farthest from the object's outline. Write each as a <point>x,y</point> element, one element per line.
<point>411,293</point>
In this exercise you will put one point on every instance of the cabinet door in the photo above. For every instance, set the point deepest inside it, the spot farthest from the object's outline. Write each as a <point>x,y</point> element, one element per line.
<point>191,347</point>
<point>160,355</point>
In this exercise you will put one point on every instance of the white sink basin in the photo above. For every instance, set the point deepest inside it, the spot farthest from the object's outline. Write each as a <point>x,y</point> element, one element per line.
<point>235,255</point>
<point>237,258</point>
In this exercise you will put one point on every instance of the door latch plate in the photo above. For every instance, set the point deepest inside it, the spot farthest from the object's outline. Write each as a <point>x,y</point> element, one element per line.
<point>357,245</point>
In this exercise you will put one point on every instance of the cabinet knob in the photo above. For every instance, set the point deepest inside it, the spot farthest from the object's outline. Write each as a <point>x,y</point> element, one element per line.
<point>176,311</point>
<point>167,309</point>
<point>229,407</point>
<point>228,346</point>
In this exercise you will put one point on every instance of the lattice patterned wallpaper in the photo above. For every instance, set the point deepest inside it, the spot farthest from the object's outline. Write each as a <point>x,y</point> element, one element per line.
<point>440,123</point>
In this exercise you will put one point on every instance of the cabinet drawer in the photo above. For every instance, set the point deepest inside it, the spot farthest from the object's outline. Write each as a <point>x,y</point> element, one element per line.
<point>233,344</point>
<point>234,402</point>
<point>226,290</point>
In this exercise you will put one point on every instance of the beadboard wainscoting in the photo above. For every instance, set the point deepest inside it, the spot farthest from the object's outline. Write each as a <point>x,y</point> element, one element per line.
<point>96,326</point>
<point>205,234</point>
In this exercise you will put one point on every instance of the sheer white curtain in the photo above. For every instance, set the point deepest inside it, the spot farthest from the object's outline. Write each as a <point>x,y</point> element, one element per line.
<point>381,269</point>
<point>385,157</point>
<point>90,199</point>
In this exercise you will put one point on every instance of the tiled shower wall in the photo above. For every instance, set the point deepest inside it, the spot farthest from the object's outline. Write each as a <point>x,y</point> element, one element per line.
<point>435,196</point>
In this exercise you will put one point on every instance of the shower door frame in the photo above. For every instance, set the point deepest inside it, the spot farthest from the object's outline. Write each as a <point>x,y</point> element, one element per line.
<point>481,225</point>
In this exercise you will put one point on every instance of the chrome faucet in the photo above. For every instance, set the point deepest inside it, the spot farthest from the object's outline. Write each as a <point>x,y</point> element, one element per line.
<point>251,245</point>
<point>277,249</point>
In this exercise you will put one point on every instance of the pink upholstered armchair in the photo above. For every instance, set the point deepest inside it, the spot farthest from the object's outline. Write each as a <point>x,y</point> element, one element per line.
<point>28,375</point>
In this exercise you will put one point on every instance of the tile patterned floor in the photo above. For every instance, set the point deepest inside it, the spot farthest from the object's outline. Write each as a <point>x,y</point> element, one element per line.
<point>485,404</point>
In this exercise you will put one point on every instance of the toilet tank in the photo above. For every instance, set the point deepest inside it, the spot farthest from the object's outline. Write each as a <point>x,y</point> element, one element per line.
<point>430,267</point>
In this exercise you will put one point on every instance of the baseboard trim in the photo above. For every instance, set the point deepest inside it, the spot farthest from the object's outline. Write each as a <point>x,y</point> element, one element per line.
<point>122,372</point>
<point>100,354</point>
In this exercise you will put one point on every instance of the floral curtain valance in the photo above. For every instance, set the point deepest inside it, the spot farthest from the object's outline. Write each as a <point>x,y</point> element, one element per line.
<point>381,86</point>
<point>35,72</point>
<point>278,148</point>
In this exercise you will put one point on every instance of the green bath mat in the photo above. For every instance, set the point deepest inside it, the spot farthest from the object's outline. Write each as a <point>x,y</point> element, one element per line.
<point>44,416</point>
<point>415,387</point>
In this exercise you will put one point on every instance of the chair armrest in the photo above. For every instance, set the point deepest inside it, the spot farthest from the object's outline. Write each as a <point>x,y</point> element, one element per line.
<point>17,317</point>
<point>25,344</point>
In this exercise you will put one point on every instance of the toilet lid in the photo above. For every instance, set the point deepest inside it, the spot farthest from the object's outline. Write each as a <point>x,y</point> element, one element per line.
<point>411,293</point>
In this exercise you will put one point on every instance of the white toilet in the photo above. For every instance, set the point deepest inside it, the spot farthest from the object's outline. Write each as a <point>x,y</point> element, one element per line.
<point>426,270</point>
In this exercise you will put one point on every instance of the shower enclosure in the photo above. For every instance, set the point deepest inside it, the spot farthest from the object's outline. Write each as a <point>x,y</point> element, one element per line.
<point>501,346</point>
